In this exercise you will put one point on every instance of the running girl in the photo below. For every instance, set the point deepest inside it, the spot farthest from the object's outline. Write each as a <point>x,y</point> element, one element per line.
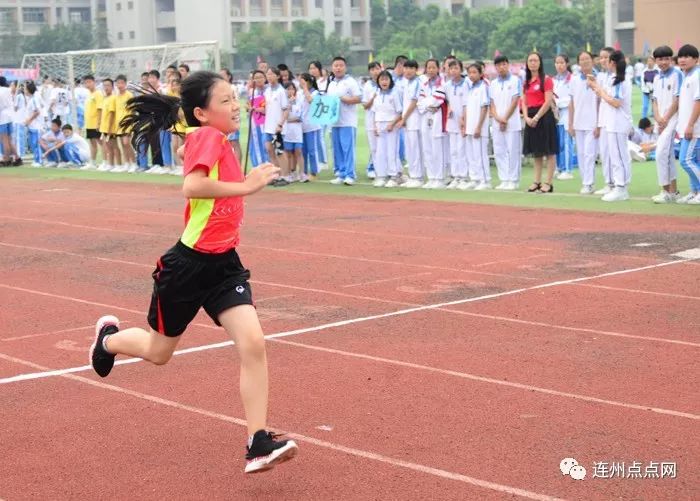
<point>203,268</point>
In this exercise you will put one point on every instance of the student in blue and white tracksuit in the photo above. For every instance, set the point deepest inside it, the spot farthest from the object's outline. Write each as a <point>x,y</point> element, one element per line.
<point>256,107</point>
<point>667,88</point>
<point>476,130</point>
<point>34,121</point>
<point>566,158</point>
<point>19,129</point>
<point>583,120</point>
<point>688,126</point>
<point>411,121</point>
<point>276,106</point>
<point>387,110</point>
<point>344,131</point>
<point>75,148</point>
<point>369,91</point>
<point>456,90</point>
<point>312,132</point>
<point>618,96</point>
<point>506,125</point>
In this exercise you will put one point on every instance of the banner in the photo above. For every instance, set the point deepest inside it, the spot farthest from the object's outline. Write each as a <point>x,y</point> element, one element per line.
<point>324,110</point>
<point>20,74</point>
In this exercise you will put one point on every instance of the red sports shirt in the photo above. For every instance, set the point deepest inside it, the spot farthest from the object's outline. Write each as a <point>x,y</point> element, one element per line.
<point>534,95</point>
<point>212,225</point>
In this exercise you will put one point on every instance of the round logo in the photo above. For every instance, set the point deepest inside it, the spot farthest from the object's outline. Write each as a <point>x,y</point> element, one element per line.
<point>240,289</point>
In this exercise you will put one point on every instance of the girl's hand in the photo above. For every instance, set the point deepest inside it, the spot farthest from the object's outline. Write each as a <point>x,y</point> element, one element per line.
<point>529,122</point>
<point>688,132</point>
<point>181,153</point>
<point>596,132</point>
<point>571,132</point>
<point>390,127</point>
<point>503,126</point>
<point>261,176</point>
<point>477,134</point>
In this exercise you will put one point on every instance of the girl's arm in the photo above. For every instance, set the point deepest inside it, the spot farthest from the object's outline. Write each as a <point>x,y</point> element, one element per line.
<point>693,118</point>
<point>492,109</point>
<point>604,96</point>
<point>572,110</point>
<point>198,184</point>
<point>482,117</point>
<point>523,108</point>
<point>548,97</point>
<point>285,115</point>
<point>31,118</point>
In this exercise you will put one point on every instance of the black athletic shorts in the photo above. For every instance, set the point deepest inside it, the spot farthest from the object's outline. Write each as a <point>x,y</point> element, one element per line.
<point>92,134</point>
<point>186,280</point>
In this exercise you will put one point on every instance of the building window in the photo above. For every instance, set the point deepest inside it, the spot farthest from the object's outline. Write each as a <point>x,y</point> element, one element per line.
<point>132,35</point>
<point>319,4</point>
<point>120,36</point>
<point>339,28</point>
<point>118,7</point>
<point>79,15</point>
<point>625,11</point>
<point>33,15</point>
<point>256,8</point>
<point>59,13</point>
<point>130,5</point>
<point>7,16</point>
<point>276,8</point>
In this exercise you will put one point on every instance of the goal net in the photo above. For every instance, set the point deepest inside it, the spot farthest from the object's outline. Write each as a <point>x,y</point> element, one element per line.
<point>131,61</point>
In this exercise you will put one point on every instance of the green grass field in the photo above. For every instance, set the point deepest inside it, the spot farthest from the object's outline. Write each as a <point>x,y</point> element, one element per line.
<point>566,195</point>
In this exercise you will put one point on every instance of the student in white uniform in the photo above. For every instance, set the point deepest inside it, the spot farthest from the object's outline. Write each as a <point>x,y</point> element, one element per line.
<point>583,120</point>
<point>387,109</point>
<point>506,126</point>
<point>276,109</point>
<point>456,90</point>
<point>19,130</point>
<point>688,126</point>
<point>80,96</point>
<point>369,91</point>
<point>667,87</point>
<point>602,79</point>
<point>411,121</point>
<point>433,106</point>
<point>60,102</point>
<point>476,130</point>
<point>618,96</point>
<point>566,158</point>
<point>293,135</point>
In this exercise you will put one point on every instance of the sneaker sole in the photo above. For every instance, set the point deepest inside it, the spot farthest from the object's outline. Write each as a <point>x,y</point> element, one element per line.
<point>101,323</point>
<point>276,457</point>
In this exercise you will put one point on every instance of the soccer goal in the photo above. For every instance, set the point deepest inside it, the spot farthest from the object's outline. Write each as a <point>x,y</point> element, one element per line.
<point>129,61</point>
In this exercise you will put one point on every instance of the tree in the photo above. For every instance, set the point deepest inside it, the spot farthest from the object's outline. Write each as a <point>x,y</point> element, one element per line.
<point>11,41</point>
<point>541,24</point>
<point>61,38</point>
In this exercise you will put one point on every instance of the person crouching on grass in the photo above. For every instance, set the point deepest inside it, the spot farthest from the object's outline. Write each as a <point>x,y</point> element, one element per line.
<point>202,269</point>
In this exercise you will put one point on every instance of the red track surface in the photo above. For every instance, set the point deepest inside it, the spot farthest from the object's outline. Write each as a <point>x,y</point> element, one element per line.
<point>478,399</point>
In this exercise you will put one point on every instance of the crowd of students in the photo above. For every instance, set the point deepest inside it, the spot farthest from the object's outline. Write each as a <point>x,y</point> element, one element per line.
<point>432,127</point>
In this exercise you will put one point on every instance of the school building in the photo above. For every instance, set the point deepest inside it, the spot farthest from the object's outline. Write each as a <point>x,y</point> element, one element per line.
<point>152,22</point>
<point>640,25</point>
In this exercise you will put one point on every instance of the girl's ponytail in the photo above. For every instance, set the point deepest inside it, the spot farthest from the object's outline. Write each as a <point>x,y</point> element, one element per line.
<point>148,114</point>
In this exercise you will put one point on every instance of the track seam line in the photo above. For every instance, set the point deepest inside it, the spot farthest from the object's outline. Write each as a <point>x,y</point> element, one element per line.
<point>637,291</point>
<point>307,439</point>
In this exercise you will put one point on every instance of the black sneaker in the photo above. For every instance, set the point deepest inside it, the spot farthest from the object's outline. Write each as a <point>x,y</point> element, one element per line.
<point>103,361</point>
<point>266,452</point>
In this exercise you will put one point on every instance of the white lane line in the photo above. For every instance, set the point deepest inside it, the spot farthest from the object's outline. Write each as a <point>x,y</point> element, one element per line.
<point>361,284</point>
<point>390,301</point>
<point>637,291</point>
<point>373,456</point>
<point>499,382</point>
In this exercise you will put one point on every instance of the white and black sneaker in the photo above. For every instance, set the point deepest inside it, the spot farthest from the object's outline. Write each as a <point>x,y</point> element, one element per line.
<point>102,360</point>
<point>265,452</point>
